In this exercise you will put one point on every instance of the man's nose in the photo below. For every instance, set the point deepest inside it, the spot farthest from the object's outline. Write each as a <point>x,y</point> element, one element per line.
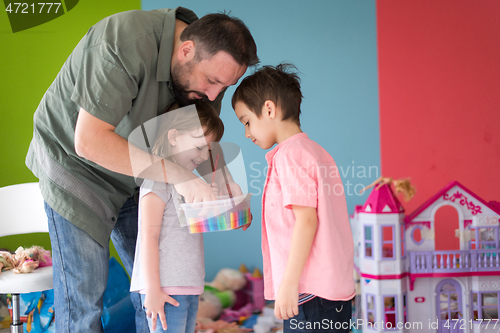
<point>212,92</point>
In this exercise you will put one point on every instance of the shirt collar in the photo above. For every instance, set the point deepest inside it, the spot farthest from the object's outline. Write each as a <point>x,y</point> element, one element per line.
<point>167,40</point>
<point>272,152</point>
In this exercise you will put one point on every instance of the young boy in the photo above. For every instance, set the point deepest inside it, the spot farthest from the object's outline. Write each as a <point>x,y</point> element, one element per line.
<point>306,238</point>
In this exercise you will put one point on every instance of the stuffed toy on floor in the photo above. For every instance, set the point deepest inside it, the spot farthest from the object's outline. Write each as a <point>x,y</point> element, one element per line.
<point>219,294</point>
<point>24,260</point>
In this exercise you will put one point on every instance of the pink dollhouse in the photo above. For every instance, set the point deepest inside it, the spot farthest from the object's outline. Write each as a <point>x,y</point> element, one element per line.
<point>416,276</point>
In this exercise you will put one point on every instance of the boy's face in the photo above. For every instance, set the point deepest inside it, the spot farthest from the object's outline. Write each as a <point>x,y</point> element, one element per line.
<point>260,130</point>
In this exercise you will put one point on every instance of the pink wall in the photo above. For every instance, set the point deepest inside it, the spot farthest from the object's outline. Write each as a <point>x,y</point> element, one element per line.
<point>439,81</point>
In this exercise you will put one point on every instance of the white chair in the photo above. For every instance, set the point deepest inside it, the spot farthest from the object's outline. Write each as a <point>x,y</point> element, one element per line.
<point>22,212</point>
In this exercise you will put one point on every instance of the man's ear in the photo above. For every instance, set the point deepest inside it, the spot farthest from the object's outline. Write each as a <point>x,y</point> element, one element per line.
<point>186,51</point>
<point>269,109</point>
<point>172,137</point>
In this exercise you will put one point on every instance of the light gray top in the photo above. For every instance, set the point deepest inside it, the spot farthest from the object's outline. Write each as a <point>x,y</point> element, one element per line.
<point>182,262</point>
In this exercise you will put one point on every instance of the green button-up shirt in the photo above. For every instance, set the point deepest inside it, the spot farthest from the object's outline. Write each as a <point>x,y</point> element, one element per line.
<point>119,73</point>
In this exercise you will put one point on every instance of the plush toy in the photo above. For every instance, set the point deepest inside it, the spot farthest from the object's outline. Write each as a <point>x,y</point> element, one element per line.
<point>219,294</point>
<point>226,283</point>
<point>209,306</point>
<point>7,261</point>
<point>24,260</point>
<point>228,279</point>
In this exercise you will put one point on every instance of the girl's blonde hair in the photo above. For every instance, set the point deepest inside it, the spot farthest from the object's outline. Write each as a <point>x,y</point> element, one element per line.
<point>186,120</point>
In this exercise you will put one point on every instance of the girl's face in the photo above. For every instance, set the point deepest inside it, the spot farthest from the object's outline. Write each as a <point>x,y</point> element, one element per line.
<point>191,148</point>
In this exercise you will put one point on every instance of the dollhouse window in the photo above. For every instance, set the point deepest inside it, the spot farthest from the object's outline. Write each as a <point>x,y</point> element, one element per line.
<point>472,242</point>
<point>370,308</point>
<point>390,312</point>
<point>404,307</point>
<point>387,232</point>
<point>403,241</point>
<point>485,306</point>
<point>416,235</point>
<point>368,241</point>
<point>483,238</point>
<point>474,306</point>
<point>489,306</point>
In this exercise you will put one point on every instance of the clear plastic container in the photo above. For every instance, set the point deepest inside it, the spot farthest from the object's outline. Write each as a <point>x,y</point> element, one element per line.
<point>222,214</point>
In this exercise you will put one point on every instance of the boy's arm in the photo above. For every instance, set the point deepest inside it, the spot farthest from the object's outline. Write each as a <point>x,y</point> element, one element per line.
<point>306,222</point>
<point>152,207</point>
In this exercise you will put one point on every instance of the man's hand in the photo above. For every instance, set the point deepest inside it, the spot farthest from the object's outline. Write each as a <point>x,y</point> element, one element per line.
<point>155,306</point>
<point>287,300</point>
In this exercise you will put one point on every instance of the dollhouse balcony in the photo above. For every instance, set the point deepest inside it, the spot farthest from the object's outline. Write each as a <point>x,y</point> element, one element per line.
<point>470,262</point>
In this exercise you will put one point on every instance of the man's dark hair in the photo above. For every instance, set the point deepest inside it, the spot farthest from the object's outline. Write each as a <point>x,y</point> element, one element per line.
<point>277,84</point>
<point>221,32</point>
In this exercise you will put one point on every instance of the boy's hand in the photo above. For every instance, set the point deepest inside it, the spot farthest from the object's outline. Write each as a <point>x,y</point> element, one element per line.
<point>286,305</point>
<point>155,306</point>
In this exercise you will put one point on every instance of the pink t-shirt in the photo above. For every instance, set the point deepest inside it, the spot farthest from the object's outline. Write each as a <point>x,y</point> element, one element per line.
<point>302,173</point>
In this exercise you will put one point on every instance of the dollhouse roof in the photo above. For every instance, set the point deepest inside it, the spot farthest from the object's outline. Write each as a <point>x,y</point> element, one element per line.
<point>382,201</point>
<point>493,205</point>
<point>357,209</point>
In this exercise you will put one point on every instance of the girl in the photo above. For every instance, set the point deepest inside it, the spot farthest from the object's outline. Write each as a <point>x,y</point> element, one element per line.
<point>169,266</point>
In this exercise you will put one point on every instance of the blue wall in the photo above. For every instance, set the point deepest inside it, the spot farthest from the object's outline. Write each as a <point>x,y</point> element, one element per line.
<point>334,46</point>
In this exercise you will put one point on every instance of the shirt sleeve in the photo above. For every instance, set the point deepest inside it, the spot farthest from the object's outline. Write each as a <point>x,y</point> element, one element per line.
<point>162,190</point>
<point>298,181</point>
<point>103,87</point>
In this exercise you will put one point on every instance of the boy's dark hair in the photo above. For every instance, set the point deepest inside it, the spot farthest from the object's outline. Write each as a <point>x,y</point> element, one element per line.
<point>277,84</point>
<point>220,32</point>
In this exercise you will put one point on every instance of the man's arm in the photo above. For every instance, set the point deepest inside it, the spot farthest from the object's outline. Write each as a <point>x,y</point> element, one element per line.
<point>97,141</point>
<point>306,223</point>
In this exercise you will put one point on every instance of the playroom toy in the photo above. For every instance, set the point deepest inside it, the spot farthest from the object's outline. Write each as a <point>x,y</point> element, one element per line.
<point>413,279</point>
<point>223,214</point>
<point>25,260</point>
<point>253,292</point>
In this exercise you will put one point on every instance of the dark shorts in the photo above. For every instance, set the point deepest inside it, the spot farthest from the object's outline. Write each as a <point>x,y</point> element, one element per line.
<point>321,315</point>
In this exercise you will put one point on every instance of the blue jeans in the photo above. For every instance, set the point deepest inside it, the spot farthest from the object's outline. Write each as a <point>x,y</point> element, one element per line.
<point>321,315</point>
<point>80,267</point>
<point>180,318</point>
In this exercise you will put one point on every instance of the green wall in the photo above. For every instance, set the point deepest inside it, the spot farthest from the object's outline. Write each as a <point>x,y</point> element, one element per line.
<point>29,62</point>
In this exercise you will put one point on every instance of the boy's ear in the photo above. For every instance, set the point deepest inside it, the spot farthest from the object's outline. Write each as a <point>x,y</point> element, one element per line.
<point>172,137</point>
<point>186,51</point>
<point>269,109</point>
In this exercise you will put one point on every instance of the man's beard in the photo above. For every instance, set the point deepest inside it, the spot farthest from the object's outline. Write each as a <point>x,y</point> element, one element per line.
<point>179,75</point>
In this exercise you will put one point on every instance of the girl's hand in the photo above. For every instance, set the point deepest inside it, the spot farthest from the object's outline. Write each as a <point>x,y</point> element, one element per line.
<point>235,189</point>
<point>286,305</point>
<point>155,306</point>
<point>194,189</point>
<point>215,188</point>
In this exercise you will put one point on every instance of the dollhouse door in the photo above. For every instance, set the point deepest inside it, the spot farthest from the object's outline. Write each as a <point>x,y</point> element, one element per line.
<point>449,307</point>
